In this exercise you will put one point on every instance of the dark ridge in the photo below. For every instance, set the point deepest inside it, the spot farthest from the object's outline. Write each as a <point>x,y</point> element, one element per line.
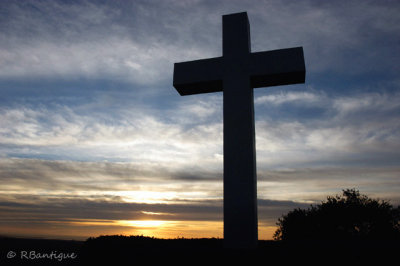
<point>141,250</point>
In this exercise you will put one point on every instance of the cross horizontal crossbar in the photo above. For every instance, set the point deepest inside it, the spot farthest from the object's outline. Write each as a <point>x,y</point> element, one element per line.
<point>264,69</point>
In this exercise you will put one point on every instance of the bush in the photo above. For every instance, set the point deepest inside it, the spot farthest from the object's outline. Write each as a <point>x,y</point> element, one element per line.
<point>347,216</point>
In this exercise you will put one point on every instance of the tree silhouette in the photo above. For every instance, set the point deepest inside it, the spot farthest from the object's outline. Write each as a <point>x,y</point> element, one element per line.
<point>347,216</point>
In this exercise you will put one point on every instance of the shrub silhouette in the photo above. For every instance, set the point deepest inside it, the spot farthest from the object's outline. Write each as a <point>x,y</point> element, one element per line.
<point>347,216</point>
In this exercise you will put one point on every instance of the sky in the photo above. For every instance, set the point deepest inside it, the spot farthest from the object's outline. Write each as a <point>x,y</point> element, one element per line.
<point>95,140</point>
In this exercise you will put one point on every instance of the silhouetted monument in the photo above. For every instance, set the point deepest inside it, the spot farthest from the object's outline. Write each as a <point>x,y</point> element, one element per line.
<point>236,73</point>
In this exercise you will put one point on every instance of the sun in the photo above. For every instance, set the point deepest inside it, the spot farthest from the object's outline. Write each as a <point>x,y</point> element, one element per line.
<point>142,223</point>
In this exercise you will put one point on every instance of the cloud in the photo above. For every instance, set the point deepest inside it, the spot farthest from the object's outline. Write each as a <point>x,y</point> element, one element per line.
<point>332,33</point>
<point>359,128</point>
<point>69,177</point>
<point>379,103</point>
<point>127,134</point>
<point>64,209</point>
<point>312,184</point>
<point>269,211</point>
<point>138,41</point>
<point>157,183</point>
<point>91,40</point>
<point>289,97</point>
<point>115,58</point>
<point>349,129</point>
<point>41,209</point>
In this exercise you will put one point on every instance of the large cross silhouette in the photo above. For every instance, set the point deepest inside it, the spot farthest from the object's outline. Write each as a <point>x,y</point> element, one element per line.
<point>236,73</point>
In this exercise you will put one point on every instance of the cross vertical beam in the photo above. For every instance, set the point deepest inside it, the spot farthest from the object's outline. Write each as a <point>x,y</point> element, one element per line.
<point>240,181</point>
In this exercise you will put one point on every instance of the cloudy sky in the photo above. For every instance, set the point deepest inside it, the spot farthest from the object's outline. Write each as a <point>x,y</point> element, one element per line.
<point>95,140</point>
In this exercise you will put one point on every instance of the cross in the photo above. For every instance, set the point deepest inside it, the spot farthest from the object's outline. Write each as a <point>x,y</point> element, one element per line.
<point>236,73</point>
